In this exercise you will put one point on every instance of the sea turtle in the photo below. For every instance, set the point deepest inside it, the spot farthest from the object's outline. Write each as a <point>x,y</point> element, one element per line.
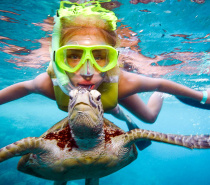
<point>85,145</point>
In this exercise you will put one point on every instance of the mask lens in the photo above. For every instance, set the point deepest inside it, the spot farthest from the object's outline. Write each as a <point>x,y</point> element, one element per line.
<point>72,57</point>
<point>101,57</point>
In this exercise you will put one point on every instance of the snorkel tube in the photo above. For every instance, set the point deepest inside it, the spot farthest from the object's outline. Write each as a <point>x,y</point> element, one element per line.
<point>74,10</point>
<point>62,78</point>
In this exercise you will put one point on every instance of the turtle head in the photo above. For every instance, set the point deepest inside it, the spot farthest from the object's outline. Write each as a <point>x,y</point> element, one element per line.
<point>85,113</point>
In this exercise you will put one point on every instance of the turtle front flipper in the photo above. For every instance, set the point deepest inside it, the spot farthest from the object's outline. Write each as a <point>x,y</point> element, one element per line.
<point>92,181</point>
<point>192,141</point>
<point>22,147</point>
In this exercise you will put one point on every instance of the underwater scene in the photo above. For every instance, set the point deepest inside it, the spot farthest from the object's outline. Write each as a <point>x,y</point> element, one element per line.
<point>167,39</point>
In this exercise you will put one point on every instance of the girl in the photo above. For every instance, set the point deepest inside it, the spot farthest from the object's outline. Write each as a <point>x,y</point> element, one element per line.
<point>84,55</point>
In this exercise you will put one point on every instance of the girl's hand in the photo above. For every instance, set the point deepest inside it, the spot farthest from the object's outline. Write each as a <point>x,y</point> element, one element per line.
<point>208,99</point>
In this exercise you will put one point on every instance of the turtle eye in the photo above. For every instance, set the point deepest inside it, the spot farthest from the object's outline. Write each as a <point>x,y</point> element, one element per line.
<point>95,94</point>
<point>70,97</point>
<point>98,98</point>
<point>73,93</point>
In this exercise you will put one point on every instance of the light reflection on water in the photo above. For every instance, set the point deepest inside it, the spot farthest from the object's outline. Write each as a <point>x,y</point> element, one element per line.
<point>162,39</point>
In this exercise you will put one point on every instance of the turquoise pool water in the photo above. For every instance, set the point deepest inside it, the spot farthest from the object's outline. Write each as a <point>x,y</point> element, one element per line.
<point>176,32</point>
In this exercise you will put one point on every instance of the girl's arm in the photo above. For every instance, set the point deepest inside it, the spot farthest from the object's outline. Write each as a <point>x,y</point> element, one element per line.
<point>130,84</point>
<point>137,83</point>
<point>147,113</point>
<point>42,84</point>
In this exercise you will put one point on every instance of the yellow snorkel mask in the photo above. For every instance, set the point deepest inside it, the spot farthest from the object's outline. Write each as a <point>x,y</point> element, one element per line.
<point>70,58</point>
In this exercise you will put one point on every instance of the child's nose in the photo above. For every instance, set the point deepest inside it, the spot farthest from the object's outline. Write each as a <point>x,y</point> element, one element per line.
<point>87,77</point>
<point>87,69</point>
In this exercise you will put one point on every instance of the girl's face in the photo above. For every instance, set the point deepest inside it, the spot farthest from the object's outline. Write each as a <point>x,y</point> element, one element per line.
<point>77,78</point>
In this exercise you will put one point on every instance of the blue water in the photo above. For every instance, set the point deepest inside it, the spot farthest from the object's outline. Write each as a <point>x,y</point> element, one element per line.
<point>159,164</point>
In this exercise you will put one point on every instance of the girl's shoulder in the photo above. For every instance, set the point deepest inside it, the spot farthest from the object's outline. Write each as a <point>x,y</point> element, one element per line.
<point>43,85</point>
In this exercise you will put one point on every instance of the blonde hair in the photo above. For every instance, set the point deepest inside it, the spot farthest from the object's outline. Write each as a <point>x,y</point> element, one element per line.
<point>87,25</point>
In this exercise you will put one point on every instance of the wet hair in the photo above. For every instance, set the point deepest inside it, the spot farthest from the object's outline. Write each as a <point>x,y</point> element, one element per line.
<point>87,25</point>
